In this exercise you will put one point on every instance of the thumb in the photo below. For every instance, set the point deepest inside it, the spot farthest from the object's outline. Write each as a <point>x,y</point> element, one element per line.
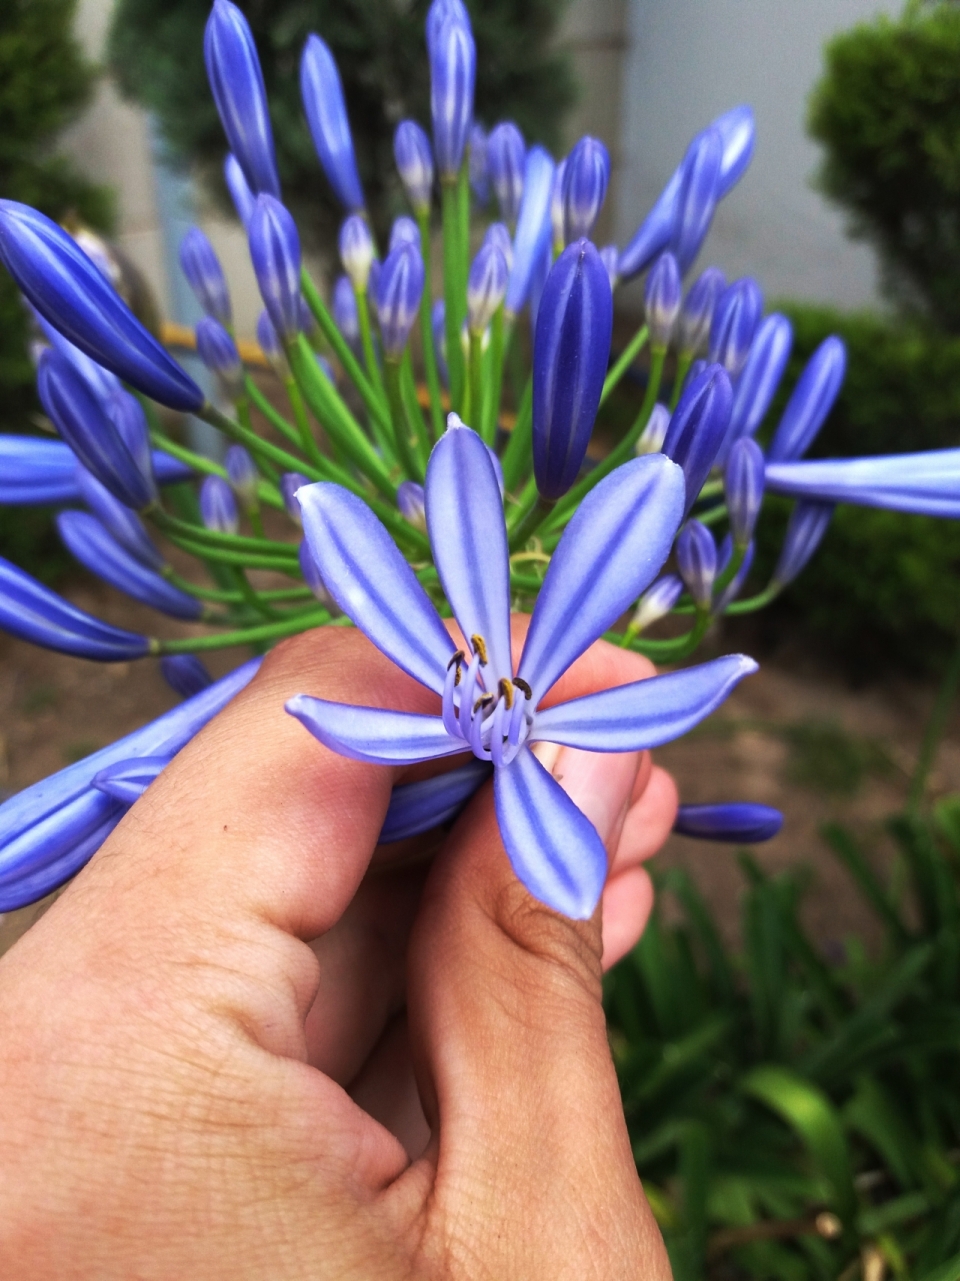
<point>514,1067</point>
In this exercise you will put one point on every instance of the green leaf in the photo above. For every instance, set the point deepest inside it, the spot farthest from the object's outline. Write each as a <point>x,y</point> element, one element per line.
<point>949,1271</point>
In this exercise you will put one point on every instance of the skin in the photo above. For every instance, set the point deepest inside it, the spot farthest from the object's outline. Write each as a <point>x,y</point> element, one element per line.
<point>245,1044</point>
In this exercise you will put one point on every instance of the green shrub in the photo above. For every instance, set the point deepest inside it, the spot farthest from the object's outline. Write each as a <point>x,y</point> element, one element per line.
<point>156,53</point>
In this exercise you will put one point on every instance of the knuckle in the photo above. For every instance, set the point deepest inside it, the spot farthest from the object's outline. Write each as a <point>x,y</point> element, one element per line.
<point>570,951</point>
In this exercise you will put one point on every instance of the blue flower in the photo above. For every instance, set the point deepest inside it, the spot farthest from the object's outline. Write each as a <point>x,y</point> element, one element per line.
<point>760,377</point>
<point>326,111</point>
<point>697,562</point>
<point>661,300</point>
<point>65,287</point>
<point>412,503</point>
<point>743,480</point>
<point>240,193</point>
<point>610,551</point>
<point>453,69</point>
<point>34,471</point>
<point>812,399</point>
<point>479,169</point>
<point>586,175</point>
<point>125,525</point>
<point>698,426</point>
<point>532,236</point>
<point>236,82</point>
<point>741,823</point>
<point>201,266</point>
<point>243,476</point>
<point>399,291</point>
<point>356,250</point>
<point>697,197</point>
<point>275,254</point>
<point>404,231</point>
<point>735,321</point>
<point>926,484</point>
<point>805,530</point>
<point>218,351</point>
<point>290,482</point>
<point>738,130</point>
<point>411,151</point>
<point>656,602</point>
<point>696,314</point>
<point>185,674</point>
<point>486,286</point>
<point>417,807</point>
<point>218,507</point>
<point>506,155</point>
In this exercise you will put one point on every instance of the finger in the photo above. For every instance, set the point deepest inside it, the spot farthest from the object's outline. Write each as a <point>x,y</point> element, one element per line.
<point>648,822</point>
<point>386,1089</point>
<point>627,904</point>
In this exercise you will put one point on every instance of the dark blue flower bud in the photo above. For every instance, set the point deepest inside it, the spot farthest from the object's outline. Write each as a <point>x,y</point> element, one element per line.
<point>398,298</point>
<point>453,67</point>
<point>218,507</point>
<point>697,561</point>
<point>61,282</point>
<point>201,266</point>
<point>33,613</point>
<point>240,193</point>
<point>699,425</point>
<point>218,351</point>
<point>697,198</point>
<point>608,256</point>
<point>654,233</point>
<point>655,432</point>
<point>497,234</point>
<point>570,354</point>
<point>533,227</point>
<point>236,82</point>
<point>356,251</point>
<point>275,254</point>
<point>128,416</point>
<point>805,530</point>
<point>743,487</point>
<point>243,475</point>
<point>506,157</point>
<point>185,674</point>
<point>538,282</point>
<point>479,168</point>
<point>404,232</point>
<point>125,525</point>
<point>345,310</point>
<point>322,92</point>
<point>414,157</point>
<point>656,602</point>
<point>311,574</point>
<point>739,823</point>
<point>412,504</point>
<point>812,399</point>
<point>735,321</point>
<point>738,130</point>
<point>290,482</point>
<point>662,300</point>
<point>486,286</point>
<point>586,176</point>
<point>696,314</point>
<point>439,12</point>
<point>92,433</point>
<point>87,540</point>
<point>758,383</point>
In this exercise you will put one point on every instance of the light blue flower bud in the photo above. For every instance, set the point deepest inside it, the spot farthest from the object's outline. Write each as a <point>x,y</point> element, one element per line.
<point>506,155</point>
<point>479,168</point>
<point>758,383</point>
<point>662,300</point>
<point>697,561</point>
<point>236,82</point>
<point>805,530</point>
<point>735,321</point>
<point>438,13</point>
<point>404,232</point>
<point>698,426</point>
<point>453,66</point>
<point>275,254</point>
<point>608,256</point>
<point>656,602</point>
<point>243,476</point>
<point>486,286</point>
<point>813,397</point>
<point>412,504</point>
<point>497,234</point>
<point>185,674</point>
<point>399,291</point>
<point>322,93</point>
<point>240,193</point>
<point>696,315</point>
<point>345,310</point>
<point>571,350</point>
<point>743,487</point>
<point>201,266</point>
<point>414,157</point>
<point>218,351</point>
<point>586,176</point>
<point>218,507</point>
<point>356,251</point>
<point>290,482</point>
<point>533,227</point>
<point>697,198</point>
<point>655,432</point>
<point>738,130</point>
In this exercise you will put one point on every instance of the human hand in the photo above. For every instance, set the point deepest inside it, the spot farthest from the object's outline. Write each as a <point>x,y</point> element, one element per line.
<point>190,1090</point>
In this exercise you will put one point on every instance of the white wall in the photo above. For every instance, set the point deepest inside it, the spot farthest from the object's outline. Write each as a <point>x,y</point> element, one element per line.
<point>688,60</point>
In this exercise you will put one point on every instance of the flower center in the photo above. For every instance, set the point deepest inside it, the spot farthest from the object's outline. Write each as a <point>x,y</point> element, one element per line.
<point>493,722</point>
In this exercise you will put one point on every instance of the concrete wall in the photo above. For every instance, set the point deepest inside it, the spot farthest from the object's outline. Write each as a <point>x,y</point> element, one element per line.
<point>688,60</point>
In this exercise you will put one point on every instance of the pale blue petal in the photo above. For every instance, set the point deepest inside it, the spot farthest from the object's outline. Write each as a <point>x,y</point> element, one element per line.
<point>417,807</point>
<point>643,714</point>
<point>374,734</point>
<point>126,781</point>
<point>371,582</point>
<point>469,540</point>
<point>926,483</point>
<point>612,549</point>
<point>554,848</point>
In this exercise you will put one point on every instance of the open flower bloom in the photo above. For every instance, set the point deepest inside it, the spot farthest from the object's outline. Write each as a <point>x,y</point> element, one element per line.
<point>611,551</point>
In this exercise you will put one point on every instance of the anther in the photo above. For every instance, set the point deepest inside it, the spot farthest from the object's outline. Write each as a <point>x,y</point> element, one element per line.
<point>505,690</point>
<point>483,701</point>
<point>522,684</point>
<point>458,658</point>
<point>480,649</point>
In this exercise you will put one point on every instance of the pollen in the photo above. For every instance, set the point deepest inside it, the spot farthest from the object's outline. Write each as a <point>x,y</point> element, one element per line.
<point>522,684</point>
<point>458,658</point>
<point>505,689</point>
<point>480,649</point>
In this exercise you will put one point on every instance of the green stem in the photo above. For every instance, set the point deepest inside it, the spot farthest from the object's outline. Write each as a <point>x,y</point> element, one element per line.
<point>936,726</point>
<point>251,635</point>
<point>626,359</point>
<point>473,413</point>
<point>366,340</point>
<point>308,442</point>
<point>405,440</point>
<point>173,525</point>
<point>494,381</point>
<point>246,560</point>
<point>530,522</point>
<point>252,598</point>
<point>224,596</point>
<point>266,492</point>
<point>753,603</point>
<point>665,651</point>
<point>516,456</point>
<point>426,329</point>
<point>408,385</point>
<point>453,290</point>
<point>273,416</point>
<point>684,361</point>
<point>262,450</point>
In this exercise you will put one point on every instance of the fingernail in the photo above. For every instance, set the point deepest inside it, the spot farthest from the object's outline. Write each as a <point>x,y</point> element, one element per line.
<point>599,784</point>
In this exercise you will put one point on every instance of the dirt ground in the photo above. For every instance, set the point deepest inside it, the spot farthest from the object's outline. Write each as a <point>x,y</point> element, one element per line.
<point>794,737</point>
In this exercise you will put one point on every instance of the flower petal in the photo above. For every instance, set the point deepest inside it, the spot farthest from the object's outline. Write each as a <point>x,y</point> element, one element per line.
<point>554,848</point>
<point>629,718</point>
<point>611,550</point>
<point>417,807</point>
<point>371,582</point>
<point>126,781</point>
<point>469,540</point>
<point>926,483</point>
<point>374,734</point>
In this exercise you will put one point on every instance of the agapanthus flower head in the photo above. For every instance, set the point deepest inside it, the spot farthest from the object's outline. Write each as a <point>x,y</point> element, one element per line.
<point>322,92</point>
<point>609,553</point>
<point>805,530</point>
<point>201,266</point>
<point>656,602</point>
<point>412,504</point>
<point>571,349</point>
<point>185,674</point>
<point>356,250</point>
<point>243,475</point>
<point>345,310</point>
<point>608,256</point>
<point>399,291</point>
<point>218,351</point>
<point>736,822</point>
<point>404,231</point>
<point>743,480</point>
<point>696,314</point>
<point>533,227</point>
<point>64,286</point>
<point>738,129</point>
<point>810,402</point>
<point>586,176</point>
<point>125,525</point>
<point>238,187</point>
<point>760,377</point>
<point>498,234</point>
<point>506,155</point>
<point>414,158</point>
<point>453,69</point>
<point>290,482</point>
<point>275,254</point>
<point>218,507</point>
<point>486,286</point>
<point>662,300</point>
<point>699,425</point>
<point>556,208</point>
<point>655,433</point>
<point>479,168</point>
<point>735,320</point>
<point>697,561</point>
<point>236,82</point>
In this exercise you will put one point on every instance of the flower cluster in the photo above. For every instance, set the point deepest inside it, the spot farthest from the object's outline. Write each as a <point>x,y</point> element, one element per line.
<point>407,514</point>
